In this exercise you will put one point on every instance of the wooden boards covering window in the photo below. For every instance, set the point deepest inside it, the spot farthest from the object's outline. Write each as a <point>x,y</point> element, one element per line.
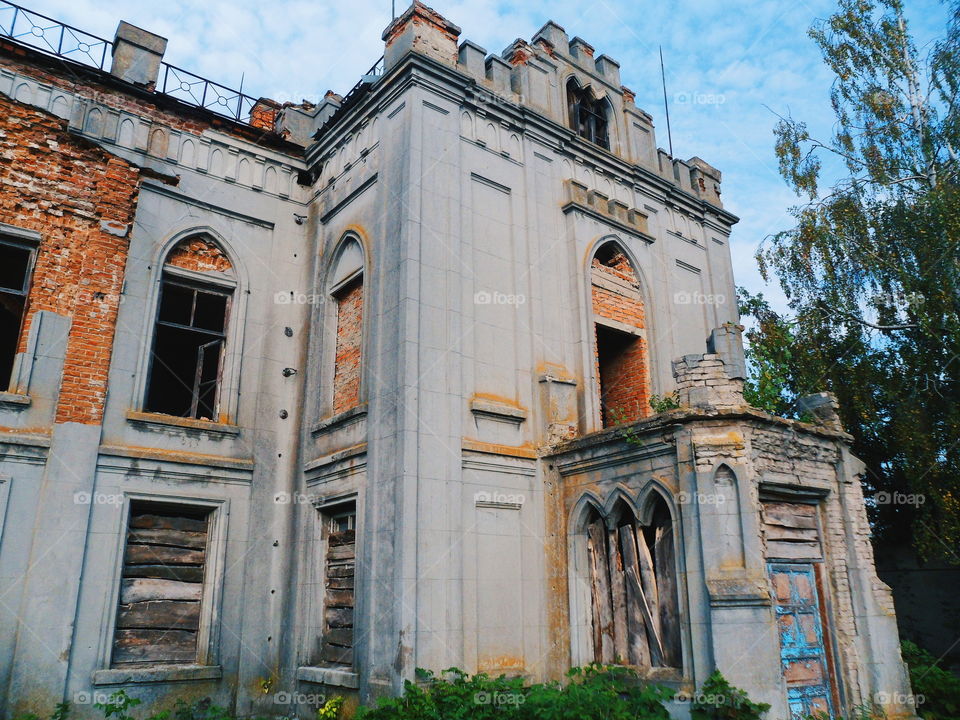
<point>634,592</point>
<point>337,649</point>
<point>161,589</point>
<point>791,530</point>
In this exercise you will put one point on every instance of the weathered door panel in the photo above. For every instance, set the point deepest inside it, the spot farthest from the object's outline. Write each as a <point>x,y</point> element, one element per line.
<point>803,653</point>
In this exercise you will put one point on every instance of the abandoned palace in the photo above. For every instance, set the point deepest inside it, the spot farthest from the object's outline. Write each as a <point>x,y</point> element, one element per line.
<point>445,371</point>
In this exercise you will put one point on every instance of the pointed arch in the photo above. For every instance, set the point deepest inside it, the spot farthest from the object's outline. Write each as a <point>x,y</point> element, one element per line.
<point>619,319</point>
<point>193,336</point>
<point>622,495</point>
<point>624,588</point>
<point>344,283</point>
<point>588,114</point>
<point>586,504</point>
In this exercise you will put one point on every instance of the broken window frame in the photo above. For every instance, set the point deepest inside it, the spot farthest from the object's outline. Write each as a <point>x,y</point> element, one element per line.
<point>588,116</point>
<point>23,293</point>
<point>208,636</point>
<point>176,277</point>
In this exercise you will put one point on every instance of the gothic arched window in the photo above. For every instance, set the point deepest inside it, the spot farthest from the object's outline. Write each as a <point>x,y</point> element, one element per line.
<point>588,115</point>
<point>633,587</point>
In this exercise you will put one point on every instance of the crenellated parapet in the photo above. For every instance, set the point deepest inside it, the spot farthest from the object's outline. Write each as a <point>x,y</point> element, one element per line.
<point>539,75</point>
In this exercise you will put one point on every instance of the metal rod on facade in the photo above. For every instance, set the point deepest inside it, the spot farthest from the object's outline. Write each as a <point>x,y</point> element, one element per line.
<point>666,106</point>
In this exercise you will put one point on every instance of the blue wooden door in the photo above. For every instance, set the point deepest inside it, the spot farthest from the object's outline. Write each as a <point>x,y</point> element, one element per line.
<point>803,653</point>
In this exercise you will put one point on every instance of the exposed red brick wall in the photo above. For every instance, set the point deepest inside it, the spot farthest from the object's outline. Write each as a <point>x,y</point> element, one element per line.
<point>199,253</point>
<point>346,375</point>
<point>64,187</point>
<point>624,382</point>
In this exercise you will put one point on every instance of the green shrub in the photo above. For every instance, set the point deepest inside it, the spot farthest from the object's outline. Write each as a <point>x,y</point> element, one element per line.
<point>591,693</point>
<point>719,700</point>
<point>936,690</point>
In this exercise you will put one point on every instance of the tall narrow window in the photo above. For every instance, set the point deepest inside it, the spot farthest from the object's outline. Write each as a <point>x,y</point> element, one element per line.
<point>190,333</point>
<point>339,571</point>
<point>588,115</point>
<point>162,589</point>
<point>619,327</point>
<point>347,292</point>
<point>16,266</point>
<point>633,586</point>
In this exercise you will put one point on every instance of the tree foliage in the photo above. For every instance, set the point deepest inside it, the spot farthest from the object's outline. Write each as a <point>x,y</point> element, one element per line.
<point>871,268</point>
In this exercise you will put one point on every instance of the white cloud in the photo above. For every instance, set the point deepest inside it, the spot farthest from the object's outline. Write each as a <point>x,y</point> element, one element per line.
<point>753,53</point>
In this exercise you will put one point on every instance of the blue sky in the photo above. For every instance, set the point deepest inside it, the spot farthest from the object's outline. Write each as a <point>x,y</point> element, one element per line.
<point>730,65</point>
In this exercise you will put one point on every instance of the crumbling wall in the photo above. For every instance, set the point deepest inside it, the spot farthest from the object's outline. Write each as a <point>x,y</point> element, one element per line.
<point>82,201</point>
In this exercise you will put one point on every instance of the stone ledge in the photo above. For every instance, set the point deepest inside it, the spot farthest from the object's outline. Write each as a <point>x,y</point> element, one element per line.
<point>157,674</point>
<point>347,417</point>
<point>14,401</point>
<point>684,415</point>
<point>338,677</point>
<point>148,418</point>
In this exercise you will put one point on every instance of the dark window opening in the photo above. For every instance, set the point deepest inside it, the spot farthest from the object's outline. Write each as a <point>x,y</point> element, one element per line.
<point>161,591</point>
<point>16,263</point>
<point>620,368</point>
<point>339,572</point>
<point>188,351</point>
<point>588,116</point>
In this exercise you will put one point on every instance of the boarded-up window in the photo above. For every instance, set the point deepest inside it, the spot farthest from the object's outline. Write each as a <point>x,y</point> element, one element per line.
<point>161,591</point>
<point>339,572</point>
<point>633,585</point>
<point>791,531</point>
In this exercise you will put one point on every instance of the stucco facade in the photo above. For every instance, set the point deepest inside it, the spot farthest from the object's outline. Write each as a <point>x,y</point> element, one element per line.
<point>413,311</point>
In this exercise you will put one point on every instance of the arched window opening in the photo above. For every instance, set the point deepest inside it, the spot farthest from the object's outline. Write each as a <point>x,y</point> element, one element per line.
<point>633,588</point>
<point>346,289</point>
<point>619,329</point>
<point>588,115</point>
<point>190,332</point>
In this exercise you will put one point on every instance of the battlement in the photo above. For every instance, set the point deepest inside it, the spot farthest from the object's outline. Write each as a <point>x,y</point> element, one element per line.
<point>541,75</point>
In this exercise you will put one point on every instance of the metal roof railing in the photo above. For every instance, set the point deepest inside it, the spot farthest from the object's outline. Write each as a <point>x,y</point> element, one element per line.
<point>58,39</point>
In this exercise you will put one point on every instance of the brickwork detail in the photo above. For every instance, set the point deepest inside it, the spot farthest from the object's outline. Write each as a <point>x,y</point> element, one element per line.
<point>82,200</point>
<point>702,381</point>
<point>346,376</point>
<point>199,253</point>
<point>621,358</point>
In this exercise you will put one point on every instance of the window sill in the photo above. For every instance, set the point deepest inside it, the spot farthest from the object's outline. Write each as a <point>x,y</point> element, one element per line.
<point>157,674</point>
<point>347,417</point>
<point>338,677</point>
<point>149,418</point>
<point>14,401</point>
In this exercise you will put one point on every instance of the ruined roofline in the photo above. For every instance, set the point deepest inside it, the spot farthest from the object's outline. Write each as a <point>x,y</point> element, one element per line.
<point>534,75</point>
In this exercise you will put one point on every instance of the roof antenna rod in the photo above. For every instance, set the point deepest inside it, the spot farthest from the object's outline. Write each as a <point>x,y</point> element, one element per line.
<point>666,107</point>
<point>393,9</point>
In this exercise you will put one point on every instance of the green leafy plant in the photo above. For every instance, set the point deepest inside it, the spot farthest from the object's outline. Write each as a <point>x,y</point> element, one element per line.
<point>330,709</point>
<point>663,403</point>
<point>719,700</point>
<point>604,693</point>
<point>937,691</point>
<point>117,706</point>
